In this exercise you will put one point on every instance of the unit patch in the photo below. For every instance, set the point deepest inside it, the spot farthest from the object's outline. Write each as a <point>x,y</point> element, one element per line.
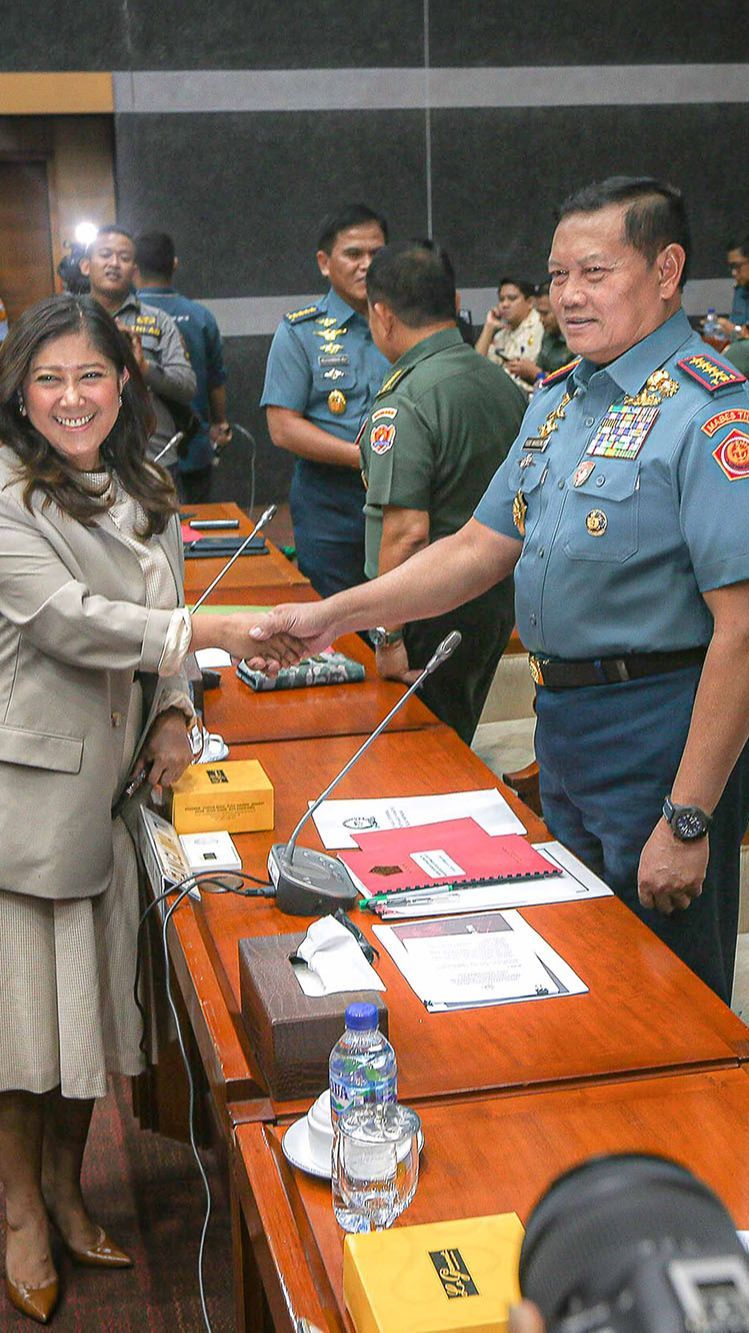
<point>384,413</point>
<point>725,418</point>
<point>382,438</point>
<point>732,455</point>
<point>711,373</point>
<point>622,432</point>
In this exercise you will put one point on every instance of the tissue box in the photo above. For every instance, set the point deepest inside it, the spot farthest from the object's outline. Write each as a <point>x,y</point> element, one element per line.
<point>235,796</point>
<point>291,1034</point>
<point>434,1278</point>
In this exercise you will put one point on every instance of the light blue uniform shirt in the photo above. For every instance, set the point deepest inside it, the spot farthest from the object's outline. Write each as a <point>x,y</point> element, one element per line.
<point>307,362</point>
<point>618,549</point>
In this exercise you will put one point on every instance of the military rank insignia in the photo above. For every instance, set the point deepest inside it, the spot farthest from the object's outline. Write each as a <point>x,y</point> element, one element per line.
<point>299,316</point>
<point>711,373</point>
<point>623,431</point>
<point>555,376</point>
<point>382,434</point>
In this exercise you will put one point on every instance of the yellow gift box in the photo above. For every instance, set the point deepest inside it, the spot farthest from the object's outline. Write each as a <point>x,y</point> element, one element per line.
<point>235,796</point>
<point>435,1278</point>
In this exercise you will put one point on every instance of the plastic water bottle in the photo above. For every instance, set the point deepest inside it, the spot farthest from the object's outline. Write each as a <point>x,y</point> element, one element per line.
<point>362,1063</point>
<point>712,332</point>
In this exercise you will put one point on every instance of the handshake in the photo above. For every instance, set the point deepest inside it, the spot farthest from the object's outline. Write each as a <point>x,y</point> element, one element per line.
<point>280,638</point>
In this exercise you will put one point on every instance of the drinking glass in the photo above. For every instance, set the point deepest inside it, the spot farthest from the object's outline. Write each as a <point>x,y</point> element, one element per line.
<point>375,1165</point>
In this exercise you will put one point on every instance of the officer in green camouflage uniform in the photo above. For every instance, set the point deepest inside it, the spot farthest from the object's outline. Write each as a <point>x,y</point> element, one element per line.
<point>439,427</point>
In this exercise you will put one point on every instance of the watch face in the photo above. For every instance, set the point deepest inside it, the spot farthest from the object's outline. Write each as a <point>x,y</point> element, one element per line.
<point>689,824</point>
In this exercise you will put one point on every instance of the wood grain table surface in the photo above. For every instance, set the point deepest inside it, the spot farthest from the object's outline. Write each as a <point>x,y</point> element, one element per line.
<point>495,1155</point>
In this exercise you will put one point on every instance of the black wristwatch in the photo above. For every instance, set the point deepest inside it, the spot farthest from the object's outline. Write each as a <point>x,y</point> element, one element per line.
<point>687,822</point>
<point>383,638</point>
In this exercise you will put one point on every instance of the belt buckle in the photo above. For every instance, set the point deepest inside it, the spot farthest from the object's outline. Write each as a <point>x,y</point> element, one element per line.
<point>536,666</point>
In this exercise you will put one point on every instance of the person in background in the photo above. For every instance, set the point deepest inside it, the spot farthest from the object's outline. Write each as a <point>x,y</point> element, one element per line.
<point>438,429</point>
<point>322,374</point>
<point>554,351</point>
<point>513,330</point>
<point>109,265</point>
<point>737,258</point>
<point>157,264</point>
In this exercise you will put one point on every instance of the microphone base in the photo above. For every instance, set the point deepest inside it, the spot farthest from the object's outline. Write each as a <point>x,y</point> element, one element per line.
<point>313,884</point>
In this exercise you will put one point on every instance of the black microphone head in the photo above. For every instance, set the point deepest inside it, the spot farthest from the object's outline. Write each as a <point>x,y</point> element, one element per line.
<point>444,650</point>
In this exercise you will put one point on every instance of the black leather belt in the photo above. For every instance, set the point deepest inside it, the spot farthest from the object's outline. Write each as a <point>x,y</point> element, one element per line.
<point>610,670</point>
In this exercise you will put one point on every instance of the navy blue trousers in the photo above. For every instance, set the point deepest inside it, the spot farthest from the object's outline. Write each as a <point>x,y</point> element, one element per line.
<point>327,510</point>
<point>607,756</point>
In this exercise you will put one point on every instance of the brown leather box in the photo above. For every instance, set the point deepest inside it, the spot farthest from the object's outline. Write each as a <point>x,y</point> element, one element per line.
<point>292,1034</point>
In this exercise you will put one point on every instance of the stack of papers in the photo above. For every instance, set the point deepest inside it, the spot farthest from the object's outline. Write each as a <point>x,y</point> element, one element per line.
<point>471,961</point>
<point>338,822</point>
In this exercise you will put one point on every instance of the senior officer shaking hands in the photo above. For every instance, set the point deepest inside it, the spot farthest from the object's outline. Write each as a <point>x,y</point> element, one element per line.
<point>622,507</point>
<point>323,372</point>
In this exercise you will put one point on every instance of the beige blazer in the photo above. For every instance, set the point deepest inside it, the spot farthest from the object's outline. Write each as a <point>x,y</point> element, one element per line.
<point>74,630</point>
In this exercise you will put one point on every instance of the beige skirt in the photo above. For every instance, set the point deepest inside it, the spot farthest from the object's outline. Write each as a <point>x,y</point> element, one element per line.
<point>67,969</point>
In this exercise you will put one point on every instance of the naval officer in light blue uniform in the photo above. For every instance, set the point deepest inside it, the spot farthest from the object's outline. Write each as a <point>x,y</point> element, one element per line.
<point>622,507</point>
<point>323,372</point>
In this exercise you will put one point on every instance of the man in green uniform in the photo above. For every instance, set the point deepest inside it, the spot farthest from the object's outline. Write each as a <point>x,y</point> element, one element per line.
<point>438,429</point>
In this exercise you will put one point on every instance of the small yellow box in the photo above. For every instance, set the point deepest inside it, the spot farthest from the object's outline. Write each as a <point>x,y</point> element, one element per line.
<point>236,796</point>
<point>435,1278</point>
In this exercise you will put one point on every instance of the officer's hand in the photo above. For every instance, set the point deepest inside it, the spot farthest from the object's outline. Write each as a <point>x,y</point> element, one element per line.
<point>524,369</point>
<point>294,629</point>
<point>671,873</point>
<point>220,433</point>
<point>136,345</point>
<point>494,319</point>
<point>392,663</point>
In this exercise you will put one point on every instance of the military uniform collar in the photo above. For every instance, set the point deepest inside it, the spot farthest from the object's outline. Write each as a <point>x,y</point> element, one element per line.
<point>130,302</point>
<point>341,309</point>
<point>631,369</point>
<point>436,342</point>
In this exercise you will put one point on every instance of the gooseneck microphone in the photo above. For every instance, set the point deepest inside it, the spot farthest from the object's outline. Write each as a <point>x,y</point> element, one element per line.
<point>309,883</point>
<point>263,519</point>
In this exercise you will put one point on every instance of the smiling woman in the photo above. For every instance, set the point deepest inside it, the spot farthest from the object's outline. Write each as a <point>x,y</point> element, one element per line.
<point>72,397</point>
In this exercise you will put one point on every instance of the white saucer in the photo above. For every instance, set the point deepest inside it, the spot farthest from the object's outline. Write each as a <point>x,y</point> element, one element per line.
<point>309,1148</point>
<point>305,1154</point>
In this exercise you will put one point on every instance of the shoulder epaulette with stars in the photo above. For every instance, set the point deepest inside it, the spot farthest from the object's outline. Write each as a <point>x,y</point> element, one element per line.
<point>299,316</point>
<point>556,376</point>
<point>711,373</point>
<point>392,380</point>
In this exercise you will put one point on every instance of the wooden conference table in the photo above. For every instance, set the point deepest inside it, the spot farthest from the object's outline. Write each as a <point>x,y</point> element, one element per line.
<point>493,1155</point>
<point>257,579</point>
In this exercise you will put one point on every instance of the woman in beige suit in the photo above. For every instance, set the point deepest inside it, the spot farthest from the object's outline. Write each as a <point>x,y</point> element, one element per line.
<point>93,634</point>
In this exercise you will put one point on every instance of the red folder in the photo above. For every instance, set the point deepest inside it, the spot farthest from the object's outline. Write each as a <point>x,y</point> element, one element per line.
<point>457,851</point>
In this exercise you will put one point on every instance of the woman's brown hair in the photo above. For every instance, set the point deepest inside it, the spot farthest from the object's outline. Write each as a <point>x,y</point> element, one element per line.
<point>124,449</point>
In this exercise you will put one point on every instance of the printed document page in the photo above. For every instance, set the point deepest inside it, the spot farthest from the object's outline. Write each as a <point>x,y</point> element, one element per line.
<point>462,962</point>
<point>337,821</point>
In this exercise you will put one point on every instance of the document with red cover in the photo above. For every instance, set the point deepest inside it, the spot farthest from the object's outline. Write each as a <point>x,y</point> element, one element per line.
<point>455,851</point>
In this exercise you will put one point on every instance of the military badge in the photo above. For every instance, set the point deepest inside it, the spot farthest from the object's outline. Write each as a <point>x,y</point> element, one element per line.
<point>526,462</point>
<point>382,437</point>
<point>327,321</point>
<point>336,402</point>
<point>726,418</point>
<point>662,383</point>
<point>732,455</point>
<point>535,444</point>
<point>384,414</point>
<point>333,360</point>
<point>582,473</point>
<point>330,348</point>
<point>298,316</point>
<point>623,430</point>
<point>333,374</point>
<point>519,511</point>
<point>711,373</point>
<point>596,522</point>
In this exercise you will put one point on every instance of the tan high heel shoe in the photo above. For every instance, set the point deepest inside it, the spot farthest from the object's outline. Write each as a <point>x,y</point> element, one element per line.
<point>102,1254</point>
<point>37,1302</point>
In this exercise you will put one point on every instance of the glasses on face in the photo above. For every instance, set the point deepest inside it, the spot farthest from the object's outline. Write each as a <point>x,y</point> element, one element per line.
<point>738,264</point>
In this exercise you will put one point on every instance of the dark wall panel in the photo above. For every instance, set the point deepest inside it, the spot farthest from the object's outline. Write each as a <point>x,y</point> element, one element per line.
<point>245,360</point>
<point>618,32</point>
<point>189,34</point>
<point>243,193</point>
<point>498,175</point>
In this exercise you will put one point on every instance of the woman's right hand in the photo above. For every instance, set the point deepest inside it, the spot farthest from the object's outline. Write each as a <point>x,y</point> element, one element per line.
<point>280,638</point>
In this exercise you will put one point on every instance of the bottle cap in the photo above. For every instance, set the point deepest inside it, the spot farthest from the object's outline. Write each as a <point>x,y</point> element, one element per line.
<point>361,1016</point>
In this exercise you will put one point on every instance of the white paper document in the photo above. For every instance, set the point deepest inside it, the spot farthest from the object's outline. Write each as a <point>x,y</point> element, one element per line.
<point>467,961</point>
<point>575,884</point>
<point>338,821</point>
<point>209,658</point>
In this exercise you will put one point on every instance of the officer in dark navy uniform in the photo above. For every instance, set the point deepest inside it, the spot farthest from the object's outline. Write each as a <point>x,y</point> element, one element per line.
<point>322,374</point>
<point>622,507</point>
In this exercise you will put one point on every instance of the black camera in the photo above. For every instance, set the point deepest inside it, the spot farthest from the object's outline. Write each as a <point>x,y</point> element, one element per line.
<point>634,1244</point>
